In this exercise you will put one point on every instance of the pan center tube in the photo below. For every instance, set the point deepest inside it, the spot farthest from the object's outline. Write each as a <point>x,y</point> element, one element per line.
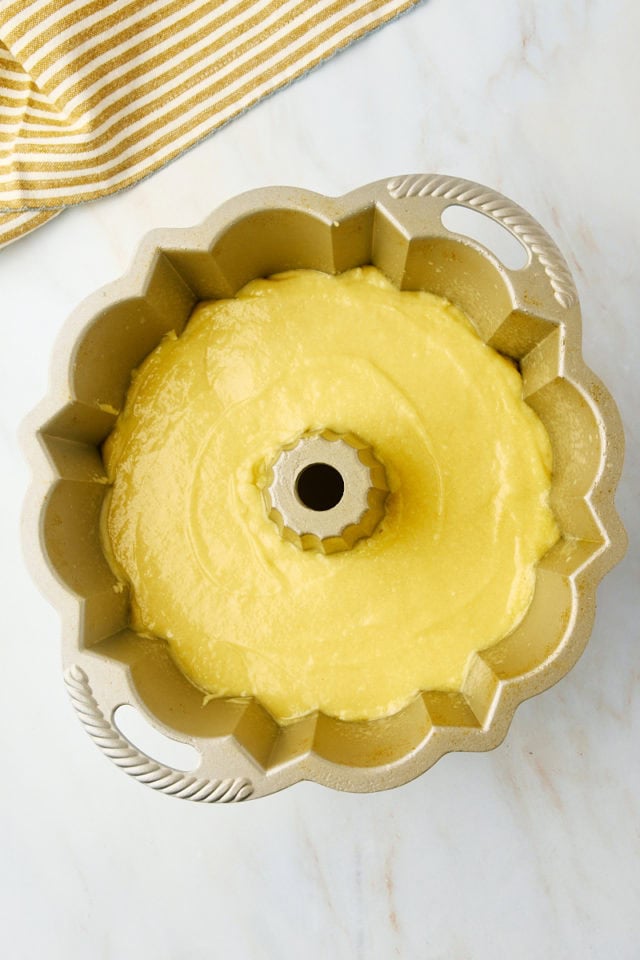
<point>326,491</point>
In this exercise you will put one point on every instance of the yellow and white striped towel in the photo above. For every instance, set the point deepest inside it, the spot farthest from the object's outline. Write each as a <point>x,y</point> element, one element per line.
<point>96,94</point>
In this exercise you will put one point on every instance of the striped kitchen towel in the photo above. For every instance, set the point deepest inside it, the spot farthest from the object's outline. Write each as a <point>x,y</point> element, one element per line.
<point>96,94</point>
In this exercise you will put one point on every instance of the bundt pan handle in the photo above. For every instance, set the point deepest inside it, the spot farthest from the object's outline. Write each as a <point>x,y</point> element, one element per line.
<point>543,284</point>
<point>97,721</point>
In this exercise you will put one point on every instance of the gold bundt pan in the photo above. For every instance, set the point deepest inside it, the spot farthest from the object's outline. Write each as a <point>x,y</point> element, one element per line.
<point>531,315</point>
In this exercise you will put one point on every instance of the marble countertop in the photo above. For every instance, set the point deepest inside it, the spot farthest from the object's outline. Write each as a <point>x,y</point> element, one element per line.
<point>530,851</point>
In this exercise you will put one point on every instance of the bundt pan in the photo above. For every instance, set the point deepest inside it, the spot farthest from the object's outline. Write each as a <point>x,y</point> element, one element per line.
<point>531,315</point>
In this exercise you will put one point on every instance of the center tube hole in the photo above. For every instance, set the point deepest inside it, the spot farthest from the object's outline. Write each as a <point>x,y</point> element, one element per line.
<point>320,486</point>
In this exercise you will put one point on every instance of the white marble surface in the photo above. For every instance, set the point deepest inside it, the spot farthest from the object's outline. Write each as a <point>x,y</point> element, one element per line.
<point>531,851</point>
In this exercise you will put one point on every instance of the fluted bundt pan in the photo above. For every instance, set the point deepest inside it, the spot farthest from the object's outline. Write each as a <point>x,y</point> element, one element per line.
<point>531,315</point>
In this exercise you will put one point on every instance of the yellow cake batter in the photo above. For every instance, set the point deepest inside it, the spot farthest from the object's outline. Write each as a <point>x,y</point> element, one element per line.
<point>450,570</point>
